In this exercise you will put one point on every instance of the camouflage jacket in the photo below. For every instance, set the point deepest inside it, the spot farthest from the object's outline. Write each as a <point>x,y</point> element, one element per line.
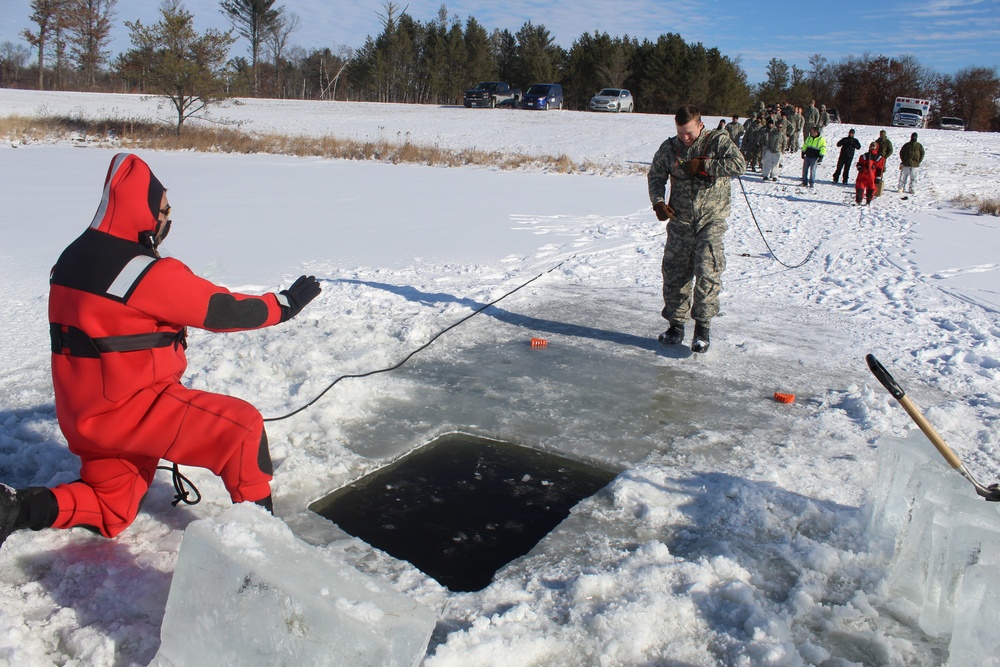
<point>787,126</point>
<point>751,138</point>
<point>735,130</point>
<point>774,139</point>
<point>693,199</point>
<point>811,117</point>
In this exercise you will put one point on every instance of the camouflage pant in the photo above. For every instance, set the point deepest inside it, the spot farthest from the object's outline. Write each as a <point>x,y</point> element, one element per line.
<point>693,262</point>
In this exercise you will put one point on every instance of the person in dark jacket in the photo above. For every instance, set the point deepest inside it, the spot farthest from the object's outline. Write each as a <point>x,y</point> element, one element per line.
<point>885,150</point>
<point>910,157</point>
<point>118,315</point>
<point>848,145</point>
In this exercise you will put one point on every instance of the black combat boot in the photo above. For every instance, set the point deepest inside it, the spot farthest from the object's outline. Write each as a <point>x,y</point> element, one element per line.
<point>701,339</point>
<point>673,335</point>
<point>34,507</point>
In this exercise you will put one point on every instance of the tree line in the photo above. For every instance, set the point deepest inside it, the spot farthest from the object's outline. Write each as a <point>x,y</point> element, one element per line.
<point>434,61</point>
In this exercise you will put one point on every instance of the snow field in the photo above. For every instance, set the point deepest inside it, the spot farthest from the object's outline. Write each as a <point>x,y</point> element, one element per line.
<point>733,535</point>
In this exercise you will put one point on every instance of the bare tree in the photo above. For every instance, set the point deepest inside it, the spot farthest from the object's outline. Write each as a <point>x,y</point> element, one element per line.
<point>976,90</point>
<point>276,41</point>
<point>13,58</point>
<point>88,23</point>
<point>252,19</point>
<point>615,69</point>
<point>345,54</point>
<point>45,14</point>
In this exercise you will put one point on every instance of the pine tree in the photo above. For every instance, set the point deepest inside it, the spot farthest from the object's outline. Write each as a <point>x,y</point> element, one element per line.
<point>179,64</point>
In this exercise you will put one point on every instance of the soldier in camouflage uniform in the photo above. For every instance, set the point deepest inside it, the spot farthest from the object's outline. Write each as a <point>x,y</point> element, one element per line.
<point>751,142</point>
<point>772,141</point>
<point>824,118</point>
<point>799,121</point>
<point>787,128</point>
<point>811,120</point>
<point>699,166</point>
<point>735,130</point>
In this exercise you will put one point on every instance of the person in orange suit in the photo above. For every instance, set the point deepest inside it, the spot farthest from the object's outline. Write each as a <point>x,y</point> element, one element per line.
<point>118,316</point>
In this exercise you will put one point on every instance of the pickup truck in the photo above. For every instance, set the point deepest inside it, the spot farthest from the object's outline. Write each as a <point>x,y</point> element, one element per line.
<point>491,94</point>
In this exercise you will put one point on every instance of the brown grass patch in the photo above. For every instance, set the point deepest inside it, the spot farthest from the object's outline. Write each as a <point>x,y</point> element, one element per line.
<point>982,205</point>
<point>133,133</point>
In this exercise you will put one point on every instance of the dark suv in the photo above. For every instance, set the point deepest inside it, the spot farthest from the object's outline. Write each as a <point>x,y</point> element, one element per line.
<point>543,96</point>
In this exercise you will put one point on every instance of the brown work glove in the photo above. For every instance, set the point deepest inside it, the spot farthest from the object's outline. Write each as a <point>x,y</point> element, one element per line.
<point>663,211</point>
<point>696,166</point>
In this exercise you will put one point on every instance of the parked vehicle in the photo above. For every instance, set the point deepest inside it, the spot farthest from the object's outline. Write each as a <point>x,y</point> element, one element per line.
<point>910,112</point>
<point>543,96</point>
<point>491,94</point>
<point>951,123</point>
<point>613,99</point>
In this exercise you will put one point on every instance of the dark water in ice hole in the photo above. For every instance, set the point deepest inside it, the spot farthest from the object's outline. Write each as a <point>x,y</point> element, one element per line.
<point>462,507</point>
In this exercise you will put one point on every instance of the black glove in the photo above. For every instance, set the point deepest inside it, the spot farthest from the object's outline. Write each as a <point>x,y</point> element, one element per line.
<point>820,160</point>
<point>663,211</point>
<point>295,298</point>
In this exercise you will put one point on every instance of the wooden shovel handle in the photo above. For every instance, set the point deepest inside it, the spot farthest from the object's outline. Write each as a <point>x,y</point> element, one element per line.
<point>883,376</point>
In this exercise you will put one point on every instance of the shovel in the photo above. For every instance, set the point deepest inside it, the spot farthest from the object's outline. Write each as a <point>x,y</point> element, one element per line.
<point>991,493</point>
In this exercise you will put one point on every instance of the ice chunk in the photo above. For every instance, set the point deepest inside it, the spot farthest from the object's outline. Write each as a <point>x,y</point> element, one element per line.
<point>975,640</point>
<point>937,529</point>
<point>891,505</point>
<point>246,591</point>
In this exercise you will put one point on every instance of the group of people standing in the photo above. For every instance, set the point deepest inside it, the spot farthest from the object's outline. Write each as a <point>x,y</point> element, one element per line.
<point>698,165</point>
<point>774,131</point>
<point>872,164</point>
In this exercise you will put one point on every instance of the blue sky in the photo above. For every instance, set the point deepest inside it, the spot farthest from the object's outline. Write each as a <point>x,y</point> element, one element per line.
<point>944,35</point>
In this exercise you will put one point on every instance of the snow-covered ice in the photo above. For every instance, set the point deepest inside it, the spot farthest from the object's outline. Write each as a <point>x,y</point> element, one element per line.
<point>737,531</point>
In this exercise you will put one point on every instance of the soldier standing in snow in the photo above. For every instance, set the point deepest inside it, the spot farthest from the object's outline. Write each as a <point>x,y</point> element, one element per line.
<point>699,166</point>
<point>885,150</point>
<point>847,147</point>
<point>824,118</point>
<point>811,119</point>
<point>910,157</point>
<point>772,140</point>
<point>752,142</point>
<point>799,121</point>
<point>118,316</point>
<point>735,130</point>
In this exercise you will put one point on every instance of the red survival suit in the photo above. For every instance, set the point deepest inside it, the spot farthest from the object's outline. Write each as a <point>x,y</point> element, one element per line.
<point>117,317</point>
<point>870,168</point>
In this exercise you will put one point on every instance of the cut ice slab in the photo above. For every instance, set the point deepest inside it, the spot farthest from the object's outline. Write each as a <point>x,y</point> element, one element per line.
<point>247,592</point>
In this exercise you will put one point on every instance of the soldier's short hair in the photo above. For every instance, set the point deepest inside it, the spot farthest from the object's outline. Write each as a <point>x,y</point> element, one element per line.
<point>687,113</point>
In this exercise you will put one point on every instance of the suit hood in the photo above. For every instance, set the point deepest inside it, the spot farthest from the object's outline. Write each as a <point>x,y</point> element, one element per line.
<point>130,205</point>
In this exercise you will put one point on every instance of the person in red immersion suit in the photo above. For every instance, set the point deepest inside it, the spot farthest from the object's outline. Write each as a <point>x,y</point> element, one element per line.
<point>870,168</point>
<point>118,314</point>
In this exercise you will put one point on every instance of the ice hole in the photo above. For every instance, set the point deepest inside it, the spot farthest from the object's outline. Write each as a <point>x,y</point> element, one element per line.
<point>463,506</point>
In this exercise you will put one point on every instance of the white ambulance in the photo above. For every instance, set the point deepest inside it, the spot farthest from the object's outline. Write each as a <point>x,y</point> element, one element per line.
<point>911,112</point>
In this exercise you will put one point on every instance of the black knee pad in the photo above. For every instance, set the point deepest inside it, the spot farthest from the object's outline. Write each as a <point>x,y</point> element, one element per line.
<point>264,455</point>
